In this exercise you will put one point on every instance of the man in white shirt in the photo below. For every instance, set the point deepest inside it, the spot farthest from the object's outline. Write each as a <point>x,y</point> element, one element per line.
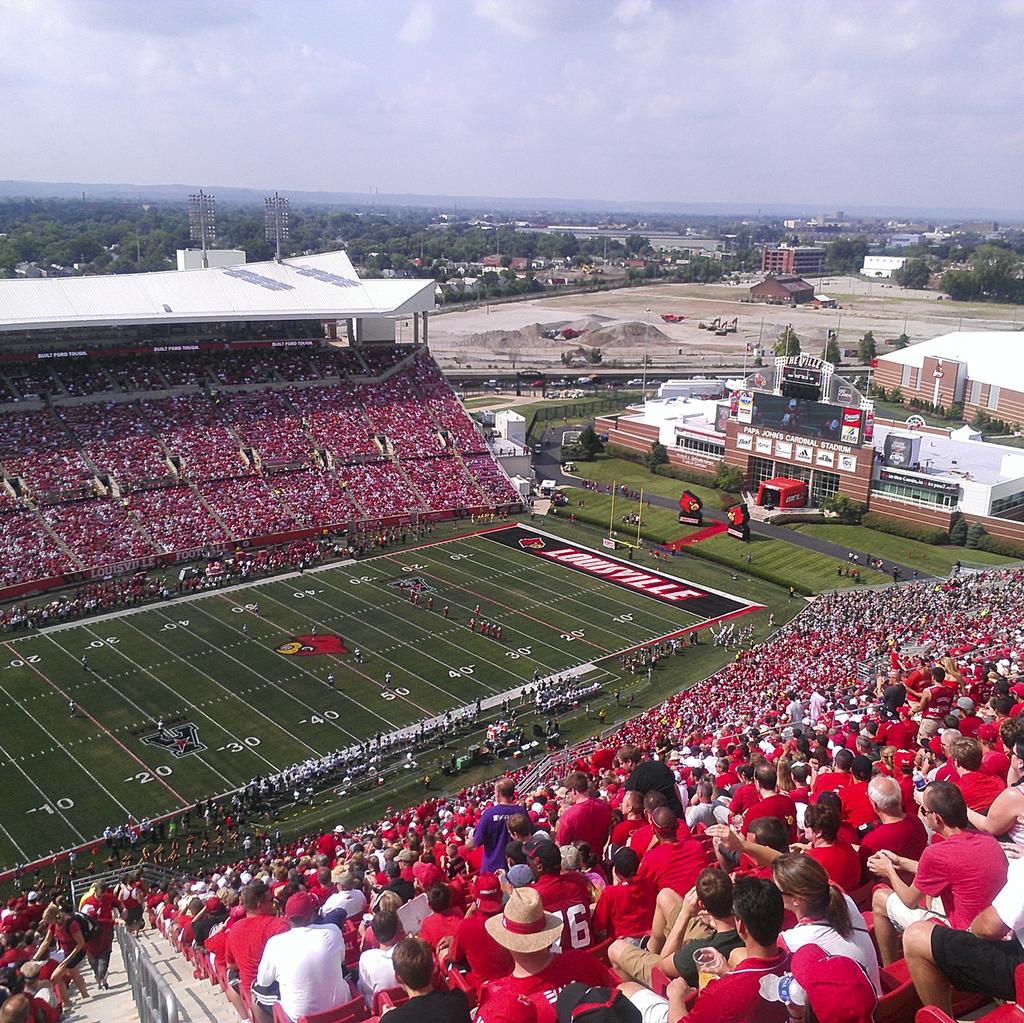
<point>348,897</point>
<point>376,972</point>
<point>301,968</point>
<point>940,958</point>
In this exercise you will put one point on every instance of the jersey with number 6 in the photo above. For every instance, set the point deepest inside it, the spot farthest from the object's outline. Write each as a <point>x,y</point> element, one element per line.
<point>568,895</point>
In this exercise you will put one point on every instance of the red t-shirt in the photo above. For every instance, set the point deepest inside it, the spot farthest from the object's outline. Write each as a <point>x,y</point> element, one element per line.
<point>902,734</point>
<point>907,837</point>
<point>674,865</point>
<point>474,945</point>
<point>625,910</point>
<point>773,806</point>
<point>979,789</point>
<point>841,863</point>
<point>966,871</point>
<point>857,808</point>
<point>588,821</point>
<point>743,798</point>
<point>623,831</point>
<point>737,997</point>
<point>833,781</point>
<point>498,1000</point>
<point>440,925</point>
<point>568,895</point>
<point>246,941</point>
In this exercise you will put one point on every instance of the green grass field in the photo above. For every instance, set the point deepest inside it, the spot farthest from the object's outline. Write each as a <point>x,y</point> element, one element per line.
<point>212,662</point>
<point>922,556</point>
<point>618,470</point>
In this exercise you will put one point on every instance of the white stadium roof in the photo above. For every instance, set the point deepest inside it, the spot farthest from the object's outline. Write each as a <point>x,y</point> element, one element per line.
<point>324,286</point>
<point>992,356</point>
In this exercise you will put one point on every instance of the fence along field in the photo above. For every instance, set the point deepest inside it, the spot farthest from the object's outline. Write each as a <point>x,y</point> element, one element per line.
<point>240,677</point>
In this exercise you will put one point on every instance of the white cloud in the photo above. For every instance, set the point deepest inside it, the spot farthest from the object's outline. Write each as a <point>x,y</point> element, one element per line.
<point>419,25</point>
<point>517,18</point>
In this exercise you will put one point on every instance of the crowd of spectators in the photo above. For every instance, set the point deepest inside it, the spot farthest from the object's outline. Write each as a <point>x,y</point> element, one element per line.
<point>99,530</point>
<point>215,456</point>
<point>833,820</point>
<point>36,447</point>
<point>117,440</point>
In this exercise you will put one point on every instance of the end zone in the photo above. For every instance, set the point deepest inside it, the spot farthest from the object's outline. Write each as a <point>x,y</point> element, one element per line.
<point>707,604</point>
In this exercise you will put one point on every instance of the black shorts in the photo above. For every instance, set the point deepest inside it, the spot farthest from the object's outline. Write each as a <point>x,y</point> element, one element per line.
<point>71,961</point>
<point>133,916</point>
<point>977,964</point>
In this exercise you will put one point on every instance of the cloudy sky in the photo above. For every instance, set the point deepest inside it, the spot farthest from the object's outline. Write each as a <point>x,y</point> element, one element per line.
<point>899,102</point>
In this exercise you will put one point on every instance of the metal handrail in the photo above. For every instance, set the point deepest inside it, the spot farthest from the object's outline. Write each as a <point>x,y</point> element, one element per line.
<point>152,995</point>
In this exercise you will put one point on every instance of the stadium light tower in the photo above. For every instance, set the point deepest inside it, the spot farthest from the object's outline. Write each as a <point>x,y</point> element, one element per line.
<point>202,222</point>
<point>276,220</point>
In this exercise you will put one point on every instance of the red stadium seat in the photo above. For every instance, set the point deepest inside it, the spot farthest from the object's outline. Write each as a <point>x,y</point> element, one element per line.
<point>388,999</point>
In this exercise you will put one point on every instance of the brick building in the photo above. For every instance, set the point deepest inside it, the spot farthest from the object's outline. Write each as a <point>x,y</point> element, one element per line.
<point>981,370</point>
<point>800,420</point>
<point>783,290</point>
<point>793,259</point>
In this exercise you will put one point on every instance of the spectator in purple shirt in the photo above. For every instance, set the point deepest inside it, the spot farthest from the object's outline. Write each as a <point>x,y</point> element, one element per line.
<point>492,828</point>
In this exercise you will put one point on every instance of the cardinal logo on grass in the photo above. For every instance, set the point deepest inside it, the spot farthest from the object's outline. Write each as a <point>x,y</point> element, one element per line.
<point>535,543</point>
<point>738,518</point>
<point>691,509</point>
<point>181,740</point>
<point>310,646</point>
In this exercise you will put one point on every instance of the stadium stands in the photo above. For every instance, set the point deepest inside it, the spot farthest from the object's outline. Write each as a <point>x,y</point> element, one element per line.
<point>179,450</point>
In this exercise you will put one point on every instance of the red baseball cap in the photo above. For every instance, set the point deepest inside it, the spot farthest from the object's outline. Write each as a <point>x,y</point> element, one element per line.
<point>487,891</point>
<point>935,745</point>
<point>301,904</point>
<point>903,759</point>
<point>213,904</point>
<point>836,987</point>
<point>988,732</point>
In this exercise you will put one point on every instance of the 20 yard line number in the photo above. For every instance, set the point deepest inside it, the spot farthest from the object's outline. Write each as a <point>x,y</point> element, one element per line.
<point>145,777</point>
<point>20,662</point>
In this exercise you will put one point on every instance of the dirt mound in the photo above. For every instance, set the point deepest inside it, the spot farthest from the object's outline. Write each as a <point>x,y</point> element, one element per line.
<point>631,334</point>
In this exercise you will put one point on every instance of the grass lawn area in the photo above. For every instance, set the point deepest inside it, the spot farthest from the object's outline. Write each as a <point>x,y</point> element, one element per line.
<point>659,524</point>
<point>1006,441</point>
<point>888,410</point>
<point>786,562</point>
<point>913,553</point>
<point>618,470</point>
<point>486,402</point>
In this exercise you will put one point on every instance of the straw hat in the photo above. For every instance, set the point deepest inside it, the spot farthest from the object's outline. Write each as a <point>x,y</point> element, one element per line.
<point>524,926</point>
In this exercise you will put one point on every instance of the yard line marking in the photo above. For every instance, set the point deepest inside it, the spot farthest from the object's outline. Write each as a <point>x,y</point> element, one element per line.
<point>316,678</point>
<point>347,664</point>
<point>427,635</point>
<point>177,695</point>
<point>103,728</point>
<point>270,682</point>
<point>508,607</point>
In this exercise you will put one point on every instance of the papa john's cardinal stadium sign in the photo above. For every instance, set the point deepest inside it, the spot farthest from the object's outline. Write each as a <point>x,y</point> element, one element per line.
<point>698,600</point>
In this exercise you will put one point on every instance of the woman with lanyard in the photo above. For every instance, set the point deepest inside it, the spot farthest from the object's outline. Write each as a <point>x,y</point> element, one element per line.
<point>825,916</point>
<point>64,932</point>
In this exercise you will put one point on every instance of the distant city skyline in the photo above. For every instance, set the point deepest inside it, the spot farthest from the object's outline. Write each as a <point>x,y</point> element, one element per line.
<point>741,103</point>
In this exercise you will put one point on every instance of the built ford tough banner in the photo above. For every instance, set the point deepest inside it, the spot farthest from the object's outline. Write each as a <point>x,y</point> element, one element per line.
<point>698,600</point>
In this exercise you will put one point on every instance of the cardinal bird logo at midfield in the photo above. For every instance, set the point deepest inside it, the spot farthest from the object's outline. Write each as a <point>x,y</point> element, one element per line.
<point>535,543</point>
<point>690,503</point>
<point>311,646</point>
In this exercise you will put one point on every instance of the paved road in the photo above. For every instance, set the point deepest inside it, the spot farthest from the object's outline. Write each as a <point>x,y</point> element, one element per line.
<point>549,468</point>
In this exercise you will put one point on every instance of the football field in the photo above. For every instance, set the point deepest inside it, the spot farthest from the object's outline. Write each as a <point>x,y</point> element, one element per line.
<point>239,676</point>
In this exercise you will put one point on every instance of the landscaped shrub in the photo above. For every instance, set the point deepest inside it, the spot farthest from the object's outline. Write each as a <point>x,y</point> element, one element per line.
<point>908,530</point>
